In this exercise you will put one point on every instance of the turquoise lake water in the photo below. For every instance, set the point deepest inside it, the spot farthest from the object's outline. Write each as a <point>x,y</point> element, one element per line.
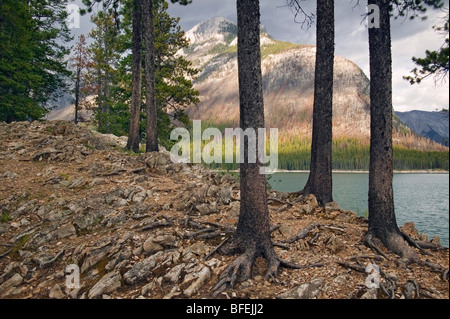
<point>419,198</point>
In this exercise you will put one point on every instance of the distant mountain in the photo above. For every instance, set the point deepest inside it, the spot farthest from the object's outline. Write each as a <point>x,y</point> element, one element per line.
<point>288,82</point>
<point>432,125</point>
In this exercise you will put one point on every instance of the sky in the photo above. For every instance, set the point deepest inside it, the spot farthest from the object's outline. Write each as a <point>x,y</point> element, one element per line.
<point>409,38</point>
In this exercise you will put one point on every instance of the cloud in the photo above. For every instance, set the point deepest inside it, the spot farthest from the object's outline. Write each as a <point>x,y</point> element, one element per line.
<point>409,38</point>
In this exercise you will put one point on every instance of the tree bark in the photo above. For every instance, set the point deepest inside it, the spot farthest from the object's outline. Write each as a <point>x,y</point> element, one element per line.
<point>382,220</point>
<point>252,237</point>
<point>253,223</point>
<point>320,181</point>
<point>133,135</point>
<point>151,108</point>
<point>77,92</point>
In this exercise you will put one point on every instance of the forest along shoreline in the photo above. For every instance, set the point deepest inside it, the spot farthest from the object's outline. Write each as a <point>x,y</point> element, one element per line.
<point>364,172</point>
<point>140,226</point>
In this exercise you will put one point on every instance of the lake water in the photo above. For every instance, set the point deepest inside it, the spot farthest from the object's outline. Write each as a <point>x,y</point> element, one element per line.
<point>419,198</point>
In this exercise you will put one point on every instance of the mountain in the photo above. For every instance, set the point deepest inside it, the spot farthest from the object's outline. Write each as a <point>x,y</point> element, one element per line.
<point>288,82</point>
<point>432,125</point>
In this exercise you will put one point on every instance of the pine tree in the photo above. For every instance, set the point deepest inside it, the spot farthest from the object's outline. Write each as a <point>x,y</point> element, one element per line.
<point>382,220</point>
<point>151,109</point>
<point>252,238</point>
<point>173,76</point>
<point>33,66</point>
<point>134,136</point>
<point>320,182</point>
<point>105,58</point>
<point>435,63</point>
<point>81,63</point>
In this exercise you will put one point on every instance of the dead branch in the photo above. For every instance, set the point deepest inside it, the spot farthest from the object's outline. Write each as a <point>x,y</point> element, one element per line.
<point>200,232</point>
<point>352,267</point>
<point>215,250</point>
<point>272,200</point>
<point>281,245</point>
<point>211,235</point>
<point>314,239</point>
<point>156,225</point>
<point>290,265</point>
<point>114,172</point>
<point>374,257</point>
<point>330,227</point>
<point>5,253</point>
<point>51,261</point>
<point>303,233</point>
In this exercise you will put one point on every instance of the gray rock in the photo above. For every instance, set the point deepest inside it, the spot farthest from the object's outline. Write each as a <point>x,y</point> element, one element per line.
<point>77,183</point>
<point>12,282</point>
<point>56,292</point>
<point>204,209</point>
<point>94,256</point>
<point>202,277</point>
<point>97,181</point>
<point>142,269</point>
<point>24,209</point>
<point>310,290</point>
<point>9,175</point>
<point>224,195</point>
<point>150,247</point>
<point>173,276</point>
<point>107,285</point>
<point>332,206</point>
<point>65,231</point>
<point>370,294</point>
<point>199,249</point>
<point>167,241</point>
<point>4,228</point>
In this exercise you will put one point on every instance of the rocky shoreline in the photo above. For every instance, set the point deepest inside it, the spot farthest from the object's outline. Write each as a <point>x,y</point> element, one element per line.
<point>140,226</point>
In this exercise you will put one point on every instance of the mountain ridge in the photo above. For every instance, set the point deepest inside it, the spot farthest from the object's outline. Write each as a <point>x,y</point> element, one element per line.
<point>432,125</point>
<point>288,83</point>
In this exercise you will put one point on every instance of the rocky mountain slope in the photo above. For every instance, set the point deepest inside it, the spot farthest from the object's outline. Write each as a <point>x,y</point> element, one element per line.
<point>140,226</point>
<point>288,79</point>
<point>432,125</point>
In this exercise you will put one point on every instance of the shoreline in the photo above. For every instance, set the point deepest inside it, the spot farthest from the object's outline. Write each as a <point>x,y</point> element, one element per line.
<point>367,172</point>
<point>348,172</point>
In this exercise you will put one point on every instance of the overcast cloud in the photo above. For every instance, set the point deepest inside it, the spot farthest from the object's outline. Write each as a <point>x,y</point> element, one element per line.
<point>409,38</point>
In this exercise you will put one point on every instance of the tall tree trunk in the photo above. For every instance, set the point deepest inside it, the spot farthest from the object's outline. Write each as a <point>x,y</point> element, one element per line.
<point>252,237</point>
<point>101,116</point>
<point>320,182</point>
<point>151,109</point>
<point>77,93</point>
<point>382,221</point>
<point>133,135</point>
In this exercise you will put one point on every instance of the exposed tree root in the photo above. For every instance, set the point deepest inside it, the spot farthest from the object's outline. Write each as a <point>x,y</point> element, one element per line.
<point>411,290</point>
<point>241,268</point>
<point>217,248</point>
<point>445,274</point>
<point>302,234</point>
<point>368,241</point>
<point>402,245</point>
